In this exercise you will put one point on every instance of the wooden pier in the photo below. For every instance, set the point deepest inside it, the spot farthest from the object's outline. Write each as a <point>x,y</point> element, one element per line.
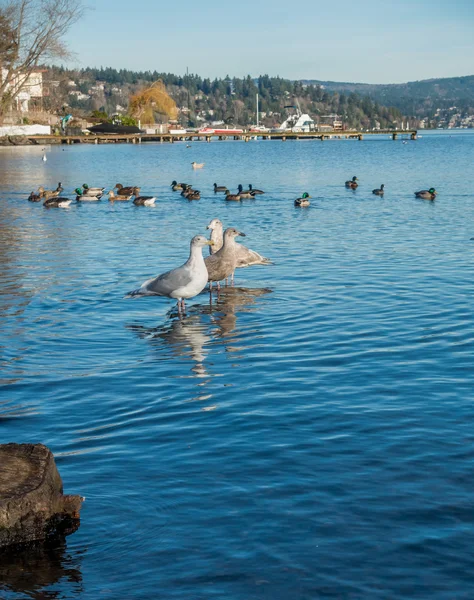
<point>246,136</point>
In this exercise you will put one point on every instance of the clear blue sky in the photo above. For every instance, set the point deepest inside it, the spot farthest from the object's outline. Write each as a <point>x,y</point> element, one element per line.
<point>374,41</point>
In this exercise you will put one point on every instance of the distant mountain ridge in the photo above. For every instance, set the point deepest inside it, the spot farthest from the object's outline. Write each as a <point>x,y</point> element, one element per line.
<point>418,98</point>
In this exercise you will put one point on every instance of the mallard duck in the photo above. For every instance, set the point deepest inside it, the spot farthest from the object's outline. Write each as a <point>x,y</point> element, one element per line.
<point>124,191</point>
<point>255,191</point>
<point>426,194</point>
<point>219,188</point>
<point>304,200</point>
<point>144,200</point>
<point>81,197</point>
<point>47,193</point>
<point>194,195</point>
<point>92,191</point>
<point>352,183</point>
<point>197,165</point>
<point>229,196</point>
<point>57,202</point>
<point>186,190</point>
<point>113,197</point>
<point>246,194</point>
<point>34,197</point>
<point>379,191</point>
<point>177,187</point>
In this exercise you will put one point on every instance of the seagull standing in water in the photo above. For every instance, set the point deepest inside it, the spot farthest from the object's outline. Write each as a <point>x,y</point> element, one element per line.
<point>245,257</point>
<point>181,283</point>
<point>222,264</point>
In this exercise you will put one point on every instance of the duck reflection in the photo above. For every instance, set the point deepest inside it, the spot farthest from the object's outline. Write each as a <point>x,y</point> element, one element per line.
<point>34,571</point>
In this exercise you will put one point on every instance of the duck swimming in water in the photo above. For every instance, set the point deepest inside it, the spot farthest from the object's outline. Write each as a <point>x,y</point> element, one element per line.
<point>114,198</point>
<point>47,193</point>
<point>178,187</point>
<point>81,197</point>
<point>255,192</point>
<point>34,197</point>
<point>304,200</point>
<point>219,188</point>
<point>229,196</point>
<point>352,183</point>
<point>124,191</point>
<point>426,194</point>
<point>142,200</point>
<point>92,191</point>
<point>246,194</point>
<point>379,191</point>
<point>57,202</point>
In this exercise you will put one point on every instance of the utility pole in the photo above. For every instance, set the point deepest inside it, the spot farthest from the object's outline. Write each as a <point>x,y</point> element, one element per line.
<point>257,111</point>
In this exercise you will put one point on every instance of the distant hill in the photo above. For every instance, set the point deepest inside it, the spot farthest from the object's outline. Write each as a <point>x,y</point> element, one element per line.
<point>202,101</point>
<point>430,103</point>
<point>421,99</point>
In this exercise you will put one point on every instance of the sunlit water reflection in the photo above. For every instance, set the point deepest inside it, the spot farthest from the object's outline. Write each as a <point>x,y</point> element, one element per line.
<point>306,434</point>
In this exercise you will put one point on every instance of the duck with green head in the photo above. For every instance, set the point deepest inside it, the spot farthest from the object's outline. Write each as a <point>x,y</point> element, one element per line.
<point>426,194</point>
<point>304,200</point>
<point>81,196</point>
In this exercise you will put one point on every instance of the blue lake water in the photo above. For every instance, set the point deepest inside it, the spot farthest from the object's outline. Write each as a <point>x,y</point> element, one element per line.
<point>309,434</point>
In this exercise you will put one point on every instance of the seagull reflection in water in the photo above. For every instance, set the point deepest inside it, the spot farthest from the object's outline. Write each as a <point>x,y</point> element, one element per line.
<point>192,335</point>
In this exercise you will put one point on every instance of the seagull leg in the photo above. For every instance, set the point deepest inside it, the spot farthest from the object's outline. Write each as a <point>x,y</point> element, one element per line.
<point>218,286</point>
<point>232,279</point>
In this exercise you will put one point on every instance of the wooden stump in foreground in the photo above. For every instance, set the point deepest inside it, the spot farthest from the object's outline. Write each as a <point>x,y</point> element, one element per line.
<point>32,504</point>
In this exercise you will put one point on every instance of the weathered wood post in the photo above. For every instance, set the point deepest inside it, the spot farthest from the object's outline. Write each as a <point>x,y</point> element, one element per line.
<point>394,136</point>
<point>32,504</point>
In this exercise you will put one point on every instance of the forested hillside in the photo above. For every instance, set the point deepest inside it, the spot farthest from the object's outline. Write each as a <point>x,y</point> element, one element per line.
<point>201,101</point>
<point>439,100</point>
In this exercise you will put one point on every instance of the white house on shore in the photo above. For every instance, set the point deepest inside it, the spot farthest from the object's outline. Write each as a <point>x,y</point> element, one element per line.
<point>32,89</point>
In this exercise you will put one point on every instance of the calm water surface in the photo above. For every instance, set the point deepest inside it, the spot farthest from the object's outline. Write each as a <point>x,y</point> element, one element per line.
<point>309,434</point>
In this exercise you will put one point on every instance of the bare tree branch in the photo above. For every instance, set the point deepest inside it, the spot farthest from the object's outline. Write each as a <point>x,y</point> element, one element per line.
<point>31,34</point>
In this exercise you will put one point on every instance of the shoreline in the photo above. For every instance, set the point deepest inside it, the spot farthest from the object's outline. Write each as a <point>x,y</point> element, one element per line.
<point>47,140</point>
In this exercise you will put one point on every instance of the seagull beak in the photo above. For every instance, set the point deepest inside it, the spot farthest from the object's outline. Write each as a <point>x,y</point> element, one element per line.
<point>210,243</point>
<point>242,234</point>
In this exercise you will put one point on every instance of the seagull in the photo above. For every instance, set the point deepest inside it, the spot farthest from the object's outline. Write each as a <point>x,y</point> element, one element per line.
<point>44,159</point>
<point>245,257</point>
<point>181,283</point>
<point>223,263</point>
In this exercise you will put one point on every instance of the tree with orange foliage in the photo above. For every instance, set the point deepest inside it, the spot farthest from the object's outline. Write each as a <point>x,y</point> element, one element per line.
<point>154,99</point>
